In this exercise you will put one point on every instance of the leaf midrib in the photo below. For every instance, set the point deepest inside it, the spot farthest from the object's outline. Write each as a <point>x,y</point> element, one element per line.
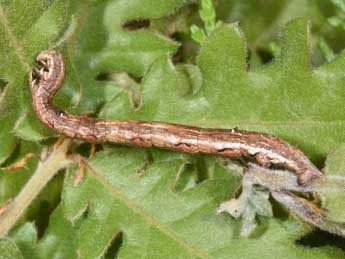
<point>145,215</point>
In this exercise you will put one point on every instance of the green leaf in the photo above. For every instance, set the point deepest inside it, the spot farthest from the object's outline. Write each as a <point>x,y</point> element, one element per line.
<point>286,98</point>
<point>59,239</point>
<point>159,204</point>
<point>335,202</point>
<point>198,34</point>
<point>208,15</point>
<point>157,222</point>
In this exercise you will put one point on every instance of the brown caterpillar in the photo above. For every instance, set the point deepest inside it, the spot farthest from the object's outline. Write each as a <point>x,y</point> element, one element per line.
<point>266,149</point>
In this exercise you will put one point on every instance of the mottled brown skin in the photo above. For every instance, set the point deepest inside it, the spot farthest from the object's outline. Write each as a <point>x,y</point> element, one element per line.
<point>267,150</point>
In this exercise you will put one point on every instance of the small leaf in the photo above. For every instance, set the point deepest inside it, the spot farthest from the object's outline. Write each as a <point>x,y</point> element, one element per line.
<point>275,48</point>
<point>198,34</point>
<point>208,15</point>
<point>250,203</point>
<point>260,202</point>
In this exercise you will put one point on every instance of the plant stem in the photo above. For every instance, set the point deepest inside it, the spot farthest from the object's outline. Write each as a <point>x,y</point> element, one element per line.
<point>46,169</point>
<point>277,180</point>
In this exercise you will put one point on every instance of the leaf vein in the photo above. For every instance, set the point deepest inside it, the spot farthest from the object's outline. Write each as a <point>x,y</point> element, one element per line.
<point>151,220</point>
